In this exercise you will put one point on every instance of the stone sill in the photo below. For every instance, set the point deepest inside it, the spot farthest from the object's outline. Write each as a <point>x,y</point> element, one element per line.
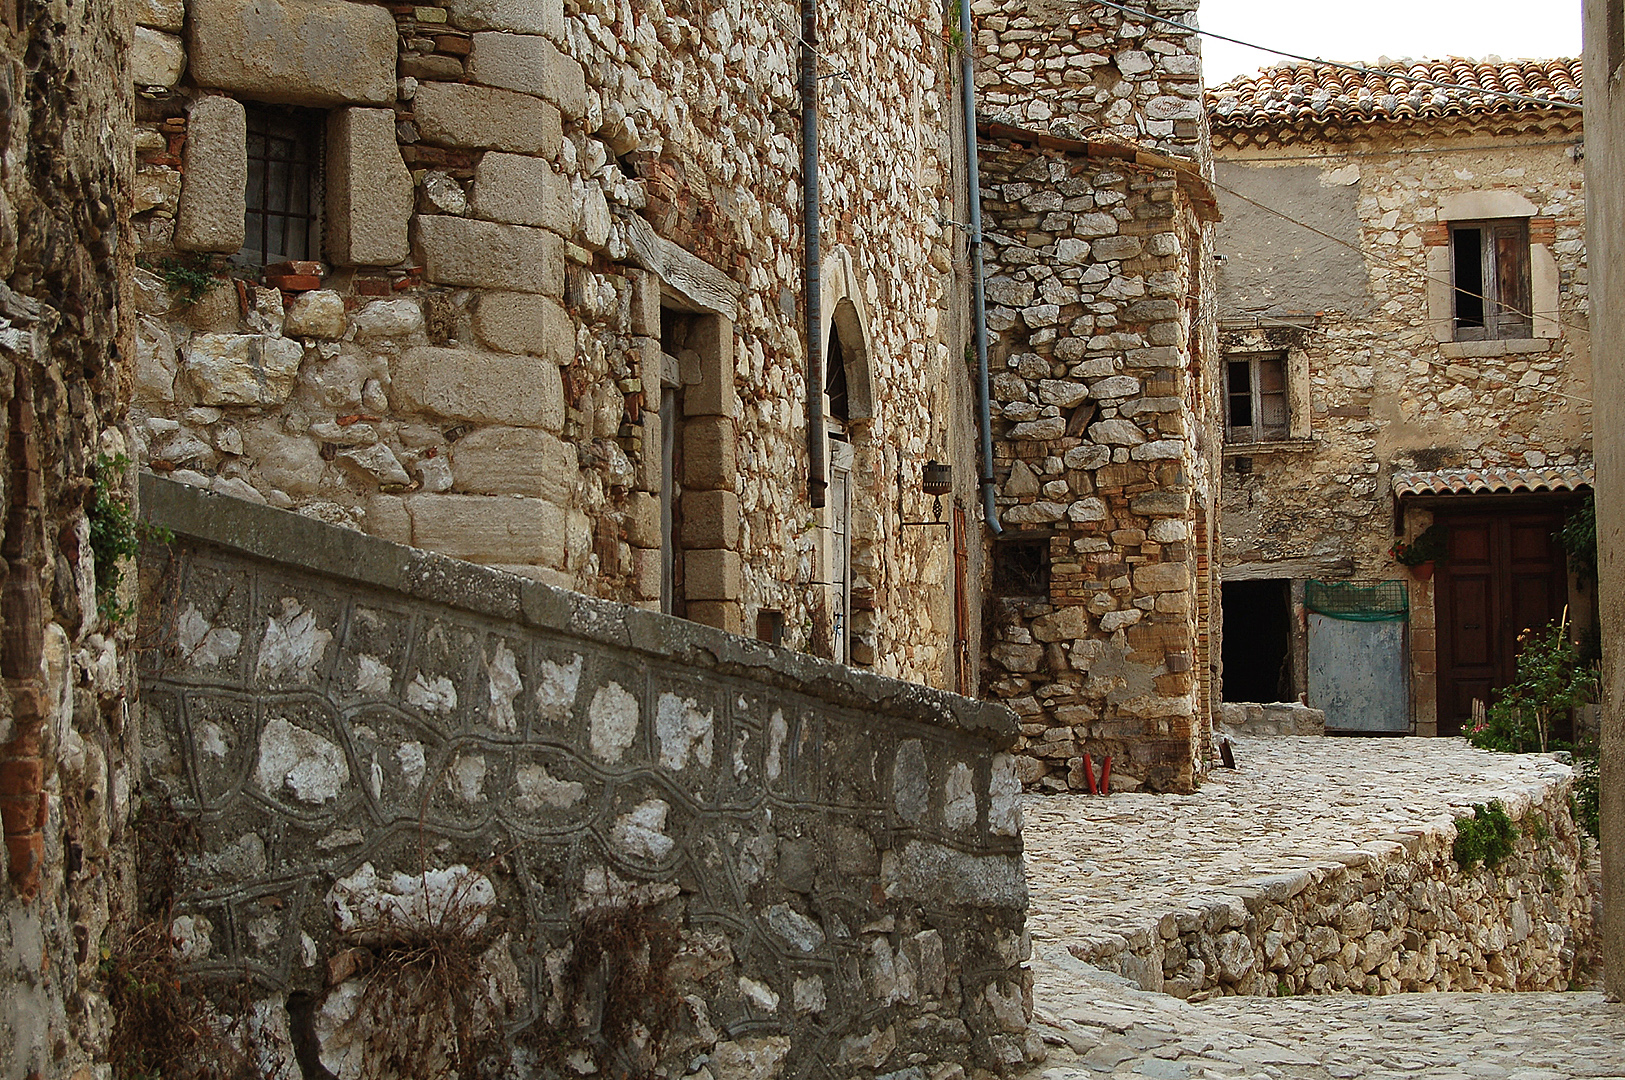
<point>1276,446</point>
<point>1461,350</point>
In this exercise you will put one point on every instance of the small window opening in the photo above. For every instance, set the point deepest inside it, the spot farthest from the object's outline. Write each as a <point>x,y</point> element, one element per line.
<point>1490,266</point>
<point>835,378</point>
<point>1255,399</point>
<point>1021,567</point>
<point>283,197</point>
<point>770,626</point>
<point>1469,257</point>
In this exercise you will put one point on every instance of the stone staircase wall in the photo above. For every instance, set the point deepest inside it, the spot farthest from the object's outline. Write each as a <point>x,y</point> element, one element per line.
<point>381,748</point>
<point>1390,916</point>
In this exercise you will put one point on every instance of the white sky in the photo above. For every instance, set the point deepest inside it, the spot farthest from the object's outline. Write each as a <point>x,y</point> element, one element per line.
<point>1366,30</point>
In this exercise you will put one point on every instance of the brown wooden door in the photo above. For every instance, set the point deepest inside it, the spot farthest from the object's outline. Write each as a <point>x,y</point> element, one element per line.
<point>1505,574</point>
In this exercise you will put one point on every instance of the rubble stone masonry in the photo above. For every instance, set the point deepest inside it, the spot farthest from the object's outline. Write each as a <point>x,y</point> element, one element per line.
<point>540,217</point>
<point>1376,386</point>
<point>1099,317</point>
<point>66,740</point>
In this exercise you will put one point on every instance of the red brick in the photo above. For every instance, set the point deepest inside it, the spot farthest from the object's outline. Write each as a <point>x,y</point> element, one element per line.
<point>293,282</point>
<point>22,777</point>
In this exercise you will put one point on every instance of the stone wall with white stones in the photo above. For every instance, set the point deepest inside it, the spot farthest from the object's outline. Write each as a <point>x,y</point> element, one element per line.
<point>1089,71</point>
<point>539,216</point>
<point>1104,414</point>
<point>1393,915</point>
<point>378,745</point>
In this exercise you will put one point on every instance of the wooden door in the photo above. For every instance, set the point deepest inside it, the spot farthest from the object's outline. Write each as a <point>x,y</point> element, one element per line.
<point>962,672</point>
<point>1505,574</point>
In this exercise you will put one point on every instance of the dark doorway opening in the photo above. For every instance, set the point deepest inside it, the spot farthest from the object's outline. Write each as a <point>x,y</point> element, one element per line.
<point>1257,640</point>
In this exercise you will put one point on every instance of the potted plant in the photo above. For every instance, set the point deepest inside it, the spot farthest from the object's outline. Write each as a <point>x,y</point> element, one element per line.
<point>1431,546</point>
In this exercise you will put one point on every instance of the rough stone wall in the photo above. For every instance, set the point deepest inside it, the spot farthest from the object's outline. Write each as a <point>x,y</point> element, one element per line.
<point>1086,71</point>
<point>1393,916</point>
<point>492,390</point>
<point>1605,217</point>
<point>1279,718</point>
<point>66,746</point>
<point>1102,413</point>
<point>836,856</point>
<point>1372,389</point>
<point>1383,395</point>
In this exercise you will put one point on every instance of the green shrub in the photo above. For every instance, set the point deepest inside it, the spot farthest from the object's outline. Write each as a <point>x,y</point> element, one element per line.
<point>115,534</point>
<point>1588,791</point>
<point>1486,837</point>
<point>1579,539</point>
<point>1552,679</point>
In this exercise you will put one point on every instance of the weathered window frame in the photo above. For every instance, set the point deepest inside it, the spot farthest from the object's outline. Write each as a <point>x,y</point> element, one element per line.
<point>1492,301</point>
<point>1493,204</point>
<point>1261,368</point>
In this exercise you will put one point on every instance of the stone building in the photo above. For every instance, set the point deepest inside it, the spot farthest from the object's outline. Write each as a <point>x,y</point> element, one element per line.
<point>1403,319</point>
<point>68,744</point>
<point>1605,220</point>
<point>521,282</point>
<point>1095,188</point>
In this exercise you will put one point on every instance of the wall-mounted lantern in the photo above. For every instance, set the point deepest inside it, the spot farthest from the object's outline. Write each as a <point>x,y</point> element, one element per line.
<point>936,480</point>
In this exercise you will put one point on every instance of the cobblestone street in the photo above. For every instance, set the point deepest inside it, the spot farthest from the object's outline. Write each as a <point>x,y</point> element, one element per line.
<point>1105,872</point>
<point>1099,1025</point>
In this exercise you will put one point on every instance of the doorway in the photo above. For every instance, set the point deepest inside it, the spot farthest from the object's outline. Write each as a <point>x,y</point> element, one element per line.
<point>840,550</point>
<point>1257,648</point>
<point>1506,573</point>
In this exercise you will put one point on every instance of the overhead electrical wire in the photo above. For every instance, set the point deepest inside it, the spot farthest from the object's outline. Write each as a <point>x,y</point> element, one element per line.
<point>1503,383</point>
<point>1393,264</point>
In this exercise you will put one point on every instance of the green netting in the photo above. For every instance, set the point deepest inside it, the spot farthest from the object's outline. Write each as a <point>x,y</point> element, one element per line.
<point>1357,601</point>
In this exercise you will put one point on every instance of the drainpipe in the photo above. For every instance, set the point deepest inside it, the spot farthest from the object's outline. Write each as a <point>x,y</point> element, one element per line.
<point>967,82</point>
<point>817,474</point>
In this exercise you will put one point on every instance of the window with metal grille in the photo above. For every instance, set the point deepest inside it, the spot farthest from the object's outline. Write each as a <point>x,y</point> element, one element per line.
<point>1021,567</point>
<point>1490,267</point>
<point>1255,398</point>
<point>283,198</point>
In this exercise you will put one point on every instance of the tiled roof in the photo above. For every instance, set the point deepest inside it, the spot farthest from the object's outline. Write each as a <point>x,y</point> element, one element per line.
<point>1319,93</point>
<point>1493,481</point>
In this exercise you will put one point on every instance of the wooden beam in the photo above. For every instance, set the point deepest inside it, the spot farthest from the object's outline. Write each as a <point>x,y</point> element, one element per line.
<point>690,277</point>
<point>1297,569</point>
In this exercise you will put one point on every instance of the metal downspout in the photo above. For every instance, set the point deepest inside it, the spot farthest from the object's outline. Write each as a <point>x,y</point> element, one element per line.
<point>967,81</point>
<point>817,474</point>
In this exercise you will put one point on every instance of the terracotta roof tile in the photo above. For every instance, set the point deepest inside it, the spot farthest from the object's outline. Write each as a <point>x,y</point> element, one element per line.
<point>1493,481</point>
<point>1298,92</point>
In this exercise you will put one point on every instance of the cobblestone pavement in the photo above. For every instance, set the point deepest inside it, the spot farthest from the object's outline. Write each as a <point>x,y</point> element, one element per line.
<point>1116,865</point>
<point>1098,1024</point>
<point>1104,866</point>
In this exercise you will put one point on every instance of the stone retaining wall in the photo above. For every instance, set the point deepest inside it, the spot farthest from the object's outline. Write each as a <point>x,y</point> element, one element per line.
<point>376,744</point>
<point>1390,916</point>
<point>1271,718</point>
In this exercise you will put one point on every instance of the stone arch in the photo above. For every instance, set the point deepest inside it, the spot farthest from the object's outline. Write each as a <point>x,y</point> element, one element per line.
<point>852,555</point>
<point>846,320</point>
